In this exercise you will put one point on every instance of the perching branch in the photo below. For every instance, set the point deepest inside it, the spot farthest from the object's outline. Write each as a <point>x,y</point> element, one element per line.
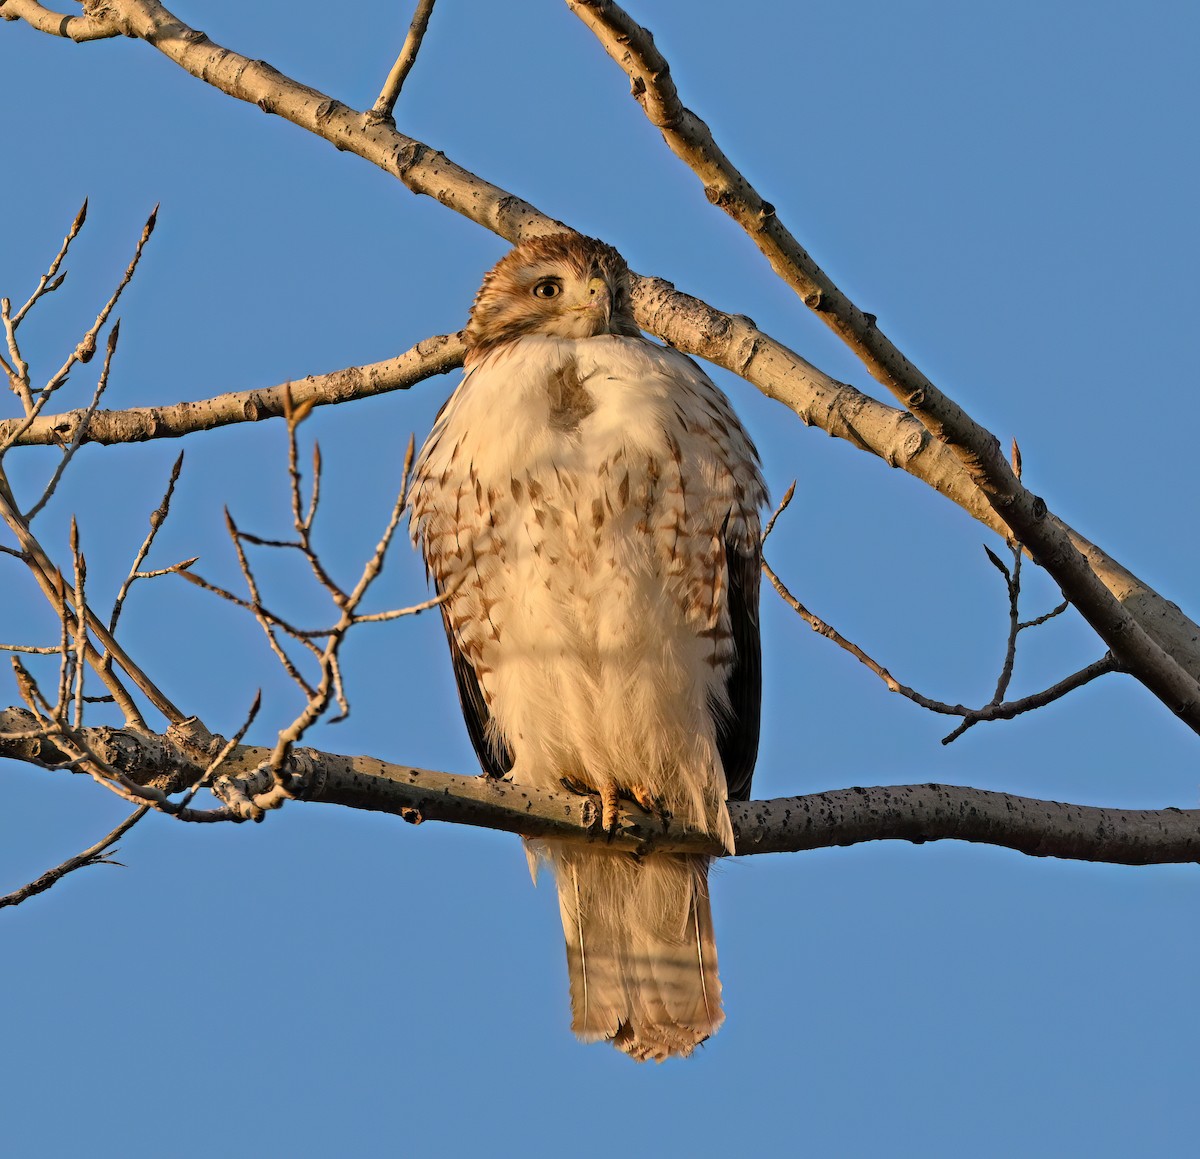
<point>816,821</point>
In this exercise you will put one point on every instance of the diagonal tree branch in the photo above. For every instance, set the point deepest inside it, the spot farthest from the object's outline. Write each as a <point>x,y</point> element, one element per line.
<point>632,47</point>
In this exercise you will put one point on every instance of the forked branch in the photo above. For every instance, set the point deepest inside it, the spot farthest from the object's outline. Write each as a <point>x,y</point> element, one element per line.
<point>997,708</point>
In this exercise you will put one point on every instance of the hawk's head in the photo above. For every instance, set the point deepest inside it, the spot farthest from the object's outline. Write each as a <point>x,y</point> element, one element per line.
<point>564,285</point>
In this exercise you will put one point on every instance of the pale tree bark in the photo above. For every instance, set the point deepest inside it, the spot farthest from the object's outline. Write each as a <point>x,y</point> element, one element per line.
<point>915,813</point>
<point>929,436</point>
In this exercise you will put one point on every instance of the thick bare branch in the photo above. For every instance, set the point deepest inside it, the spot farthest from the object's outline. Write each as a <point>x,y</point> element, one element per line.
<point>1138,653</point>
<point>819,820</point>
<point>78,28</point>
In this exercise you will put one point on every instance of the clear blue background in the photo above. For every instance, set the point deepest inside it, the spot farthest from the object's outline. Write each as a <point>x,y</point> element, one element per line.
<point>1011,189</point>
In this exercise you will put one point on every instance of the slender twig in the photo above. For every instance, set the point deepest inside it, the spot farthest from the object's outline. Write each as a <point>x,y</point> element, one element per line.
<point>832,634</point>
<point>18,370</point>
<point>302,635</point>
<point>330,685</point>
<point>95,855</point>
<point>970,716</point>
<point>784,503</point>
<point>79,626</point>
<point>1012,581</point>
<point>87,344</point>
<point>314,498</point>
<point>50,580</point>
<point>1038,621</point>
<point>1008,709</point>
<point>77,440</point>
<point>386,101</point>
<point>48,282</point>
<point>302,523</point>
<point>411,610</point>
<point>266,620</point>
<point>157,518</point>
<point>67,654</point>
<point>86,347</point>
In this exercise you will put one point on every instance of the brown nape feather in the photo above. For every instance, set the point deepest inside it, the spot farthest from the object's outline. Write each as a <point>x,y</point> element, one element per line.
<point>506,308</point>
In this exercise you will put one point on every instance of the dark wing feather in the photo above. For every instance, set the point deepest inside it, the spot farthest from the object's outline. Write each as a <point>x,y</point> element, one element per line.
<point>495,759</point>
<point>737,730</point>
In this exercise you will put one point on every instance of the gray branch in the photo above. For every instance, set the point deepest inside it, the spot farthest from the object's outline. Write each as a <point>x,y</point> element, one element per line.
<point>915,813</point>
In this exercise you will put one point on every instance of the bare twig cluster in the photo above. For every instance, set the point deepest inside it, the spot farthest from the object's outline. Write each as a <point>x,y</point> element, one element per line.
<point>276,782</point>
<point>998,708</point>
<point>54,723</point>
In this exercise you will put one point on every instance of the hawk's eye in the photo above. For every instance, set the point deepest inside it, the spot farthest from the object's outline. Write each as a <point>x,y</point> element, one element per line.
<point>547,288</point>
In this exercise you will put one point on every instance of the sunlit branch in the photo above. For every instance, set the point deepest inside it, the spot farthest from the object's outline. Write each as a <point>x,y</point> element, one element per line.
<point>404,62</point>
<point>633,48</point>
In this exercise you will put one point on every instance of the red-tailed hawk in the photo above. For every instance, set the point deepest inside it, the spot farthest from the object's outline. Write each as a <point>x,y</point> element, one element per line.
<point>592,504</point>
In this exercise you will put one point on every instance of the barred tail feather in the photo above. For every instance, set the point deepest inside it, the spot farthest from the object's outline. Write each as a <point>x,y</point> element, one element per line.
<point>640,950</point>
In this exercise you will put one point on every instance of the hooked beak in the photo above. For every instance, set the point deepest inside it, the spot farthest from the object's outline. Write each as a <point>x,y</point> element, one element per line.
<point>598,299</point>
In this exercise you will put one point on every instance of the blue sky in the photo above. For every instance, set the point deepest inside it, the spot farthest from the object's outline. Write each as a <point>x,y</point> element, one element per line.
<point>1011,189</point>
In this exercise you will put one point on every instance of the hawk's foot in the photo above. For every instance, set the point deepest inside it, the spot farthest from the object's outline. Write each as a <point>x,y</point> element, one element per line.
<point>609,818</point>
<point>653,804</point>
